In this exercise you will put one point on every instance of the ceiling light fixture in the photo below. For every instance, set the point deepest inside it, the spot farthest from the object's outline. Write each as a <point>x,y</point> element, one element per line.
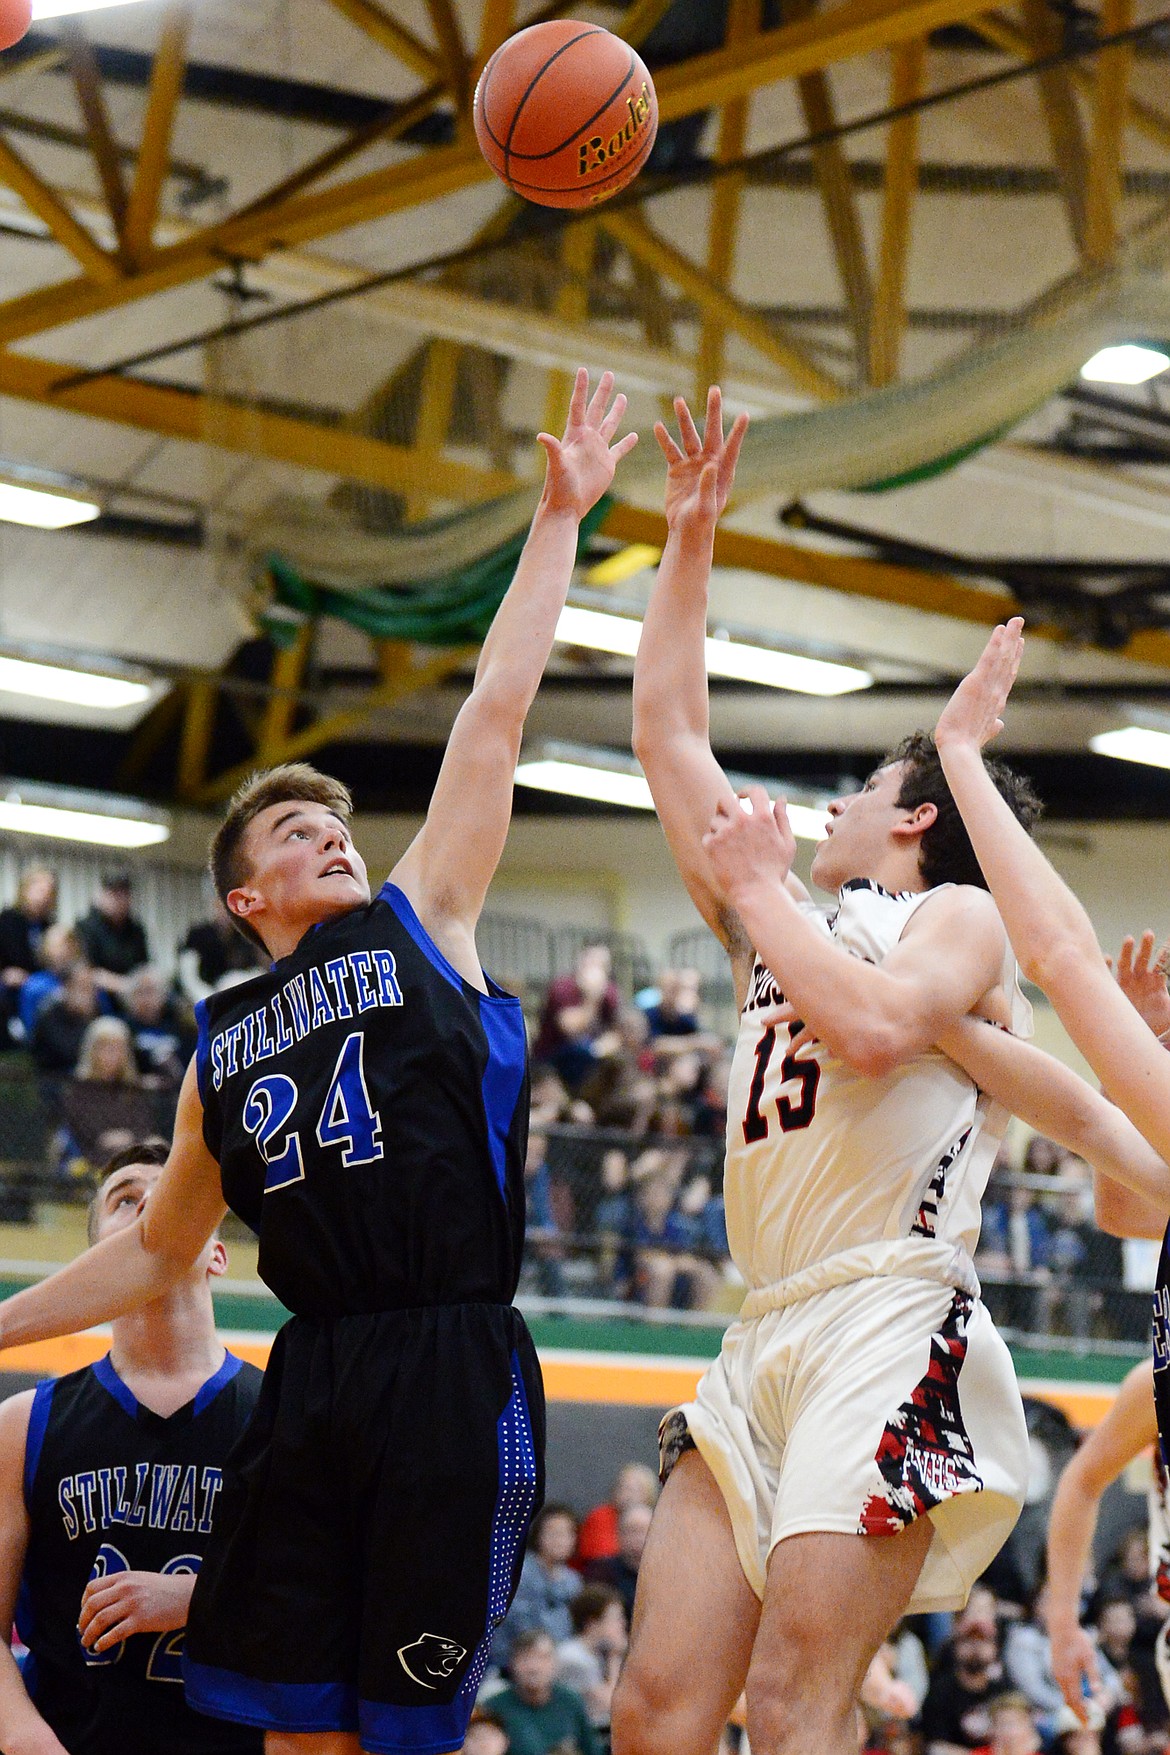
<point>42,509</point>
<point>609,777</point>
<point>62,8</point>
<point>1134,743</point>
<point>601,631</point>
<point>1128,363</point>
<point>96,818</point>
<point>80,688</point>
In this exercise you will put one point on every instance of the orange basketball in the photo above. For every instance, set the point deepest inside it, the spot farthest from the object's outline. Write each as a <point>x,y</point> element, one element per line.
<point>15,18</point>
<point>565,113</point>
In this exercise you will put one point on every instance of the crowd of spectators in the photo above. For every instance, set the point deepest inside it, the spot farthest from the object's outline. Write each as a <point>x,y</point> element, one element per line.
<point>107,1034</point>
<point>980,1681</point>
<point>629,1110</point>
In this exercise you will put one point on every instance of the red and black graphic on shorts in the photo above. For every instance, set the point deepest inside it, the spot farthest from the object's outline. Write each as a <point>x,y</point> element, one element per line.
<point>925,1455</point>
<point>924,1224</point>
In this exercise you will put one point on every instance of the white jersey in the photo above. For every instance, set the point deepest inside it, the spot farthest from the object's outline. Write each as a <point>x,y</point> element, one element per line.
<point>831,1175</point>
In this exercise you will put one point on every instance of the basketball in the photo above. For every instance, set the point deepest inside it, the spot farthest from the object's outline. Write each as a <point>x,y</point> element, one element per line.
<point>15,18</point>
<point>565,113</point>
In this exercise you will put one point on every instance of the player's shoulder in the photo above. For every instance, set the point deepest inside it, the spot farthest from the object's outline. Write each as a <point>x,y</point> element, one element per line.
<point>948,906</point>
<point>249,1377</point>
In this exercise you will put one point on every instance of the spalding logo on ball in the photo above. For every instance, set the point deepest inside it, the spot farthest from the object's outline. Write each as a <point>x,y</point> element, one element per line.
<point>15,18</point>
<point>565,113</point>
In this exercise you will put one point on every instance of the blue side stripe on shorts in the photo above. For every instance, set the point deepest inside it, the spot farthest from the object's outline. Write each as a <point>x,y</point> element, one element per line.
<point>430,1730</point>
<point>274,1706</point>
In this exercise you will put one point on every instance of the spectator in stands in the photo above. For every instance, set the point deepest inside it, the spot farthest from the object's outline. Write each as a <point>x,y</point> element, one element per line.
<point>709,1115</point>
<point>542,1233</point>
<point>620,1571</point>
<point>63,1020</point>
<point>539,1713</point>
<point>1013,1728</point>
<point>578,1025</point>
<point>956,1713</point>
<point>164,1039</point>
<point>550,1104</point>
<point>485,1734</point>
<point>667,1273</point>
<point>597,1539</point>
<point>22,926</point>
<point>1078,1740</point>
<point>590,1660</point>
<point>1042,1157</point>
<point>59,949</point>
<point>1116,1626</point>
<point>621,1090</point>
<point>104,1108</point>
<point>547,1585</point>
<point>704,1205</point>
<point>115,942</point>
<point>612,1222</point>
<point>214,955</point>
<point>672,1009</point>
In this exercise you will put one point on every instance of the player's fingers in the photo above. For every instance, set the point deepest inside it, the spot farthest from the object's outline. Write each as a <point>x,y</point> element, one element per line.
<point>713,424</point>
<point>688,431</point>
<point>120,1631</point>
<point>552,446</point>
<point>734,440</point>
<point>602,394</point>
<point>1146,951</point>
<point>1125,958</point>
<point>624,447</point>
<point>612,421</point>
<point>579,397</point>
<point>666,443</point>
<point>760,802</point>
<point>1162,960</point>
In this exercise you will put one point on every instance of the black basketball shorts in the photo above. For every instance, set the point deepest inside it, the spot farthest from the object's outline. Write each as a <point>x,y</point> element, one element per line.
<point>371,1527</point>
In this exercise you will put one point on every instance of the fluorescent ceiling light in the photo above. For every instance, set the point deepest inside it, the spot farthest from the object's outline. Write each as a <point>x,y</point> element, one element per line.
<point>602,632</point>
<point>61,8</point>
<point>608,777</point>
<point>1125,364</point>
<point>1134,743</point>
<point>62,815</point>
<point>41,509</point>
<point>81,688</point>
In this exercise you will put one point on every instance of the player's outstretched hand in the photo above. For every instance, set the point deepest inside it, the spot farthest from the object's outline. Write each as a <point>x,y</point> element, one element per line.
<point>581,464</point>
<point>114,1607</point>
<point>699,472</point>
<point>750,846</point>
<point>973,715</point>
<point>1077,1672</point>
<point>1141,976</point>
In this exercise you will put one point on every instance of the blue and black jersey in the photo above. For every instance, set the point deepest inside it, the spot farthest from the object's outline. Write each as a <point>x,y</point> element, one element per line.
<point>368,1108</point>
<point>112,1487</point>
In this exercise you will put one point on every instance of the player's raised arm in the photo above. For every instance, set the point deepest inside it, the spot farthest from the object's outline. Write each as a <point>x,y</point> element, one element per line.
<point>138,1264</point>
<point>1127,1429</point>
<point>671,714</point>
<point>22,1729</point>
<point>874,1017</point>
<point>1057,1102</point>
<point>448,867</point>
<point>1050,931</point>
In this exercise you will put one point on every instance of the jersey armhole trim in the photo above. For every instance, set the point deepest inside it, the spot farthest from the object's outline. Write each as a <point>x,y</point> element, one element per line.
<point>402,907</point>
<point>202,1048</point>
<point>38,1425</point>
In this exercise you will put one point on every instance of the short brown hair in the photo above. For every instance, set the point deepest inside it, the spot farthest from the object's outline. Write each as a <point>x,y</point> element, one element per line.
<point>150,1151</point>
<point>291,783</point>
<point>946,855</point>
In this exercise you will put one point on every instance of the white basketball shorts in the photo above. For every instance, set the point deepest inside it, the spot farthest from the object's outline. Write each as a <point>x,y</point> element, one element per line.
<point>857,1410</point>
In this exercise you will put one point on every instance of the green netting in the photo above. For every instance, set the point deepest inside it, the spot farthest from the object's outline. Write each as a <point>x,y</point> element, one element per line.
<point>454,609</point>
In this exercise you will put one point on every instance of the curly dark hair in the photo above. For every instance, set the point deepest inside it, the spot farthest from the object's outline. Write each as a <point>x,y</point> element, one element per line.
<point>946,855</point>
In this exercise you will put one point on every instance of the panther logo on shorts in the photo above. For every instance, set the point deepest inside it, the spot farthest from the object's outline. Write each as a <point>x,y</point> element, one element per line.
<point>431,1659</point>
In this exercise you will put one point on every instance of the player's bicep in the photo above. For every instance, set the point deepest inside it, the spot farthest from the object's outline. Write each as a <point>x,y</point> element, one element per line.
<point>948,957</point>
<point>448,867</point>
<point>187,1202</point>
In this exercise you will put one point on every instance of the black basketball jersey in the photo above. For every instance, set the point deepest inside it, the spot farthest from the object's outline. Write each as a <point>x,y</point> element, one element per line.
<point>368,1108</point>
<point>112,1487</point>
